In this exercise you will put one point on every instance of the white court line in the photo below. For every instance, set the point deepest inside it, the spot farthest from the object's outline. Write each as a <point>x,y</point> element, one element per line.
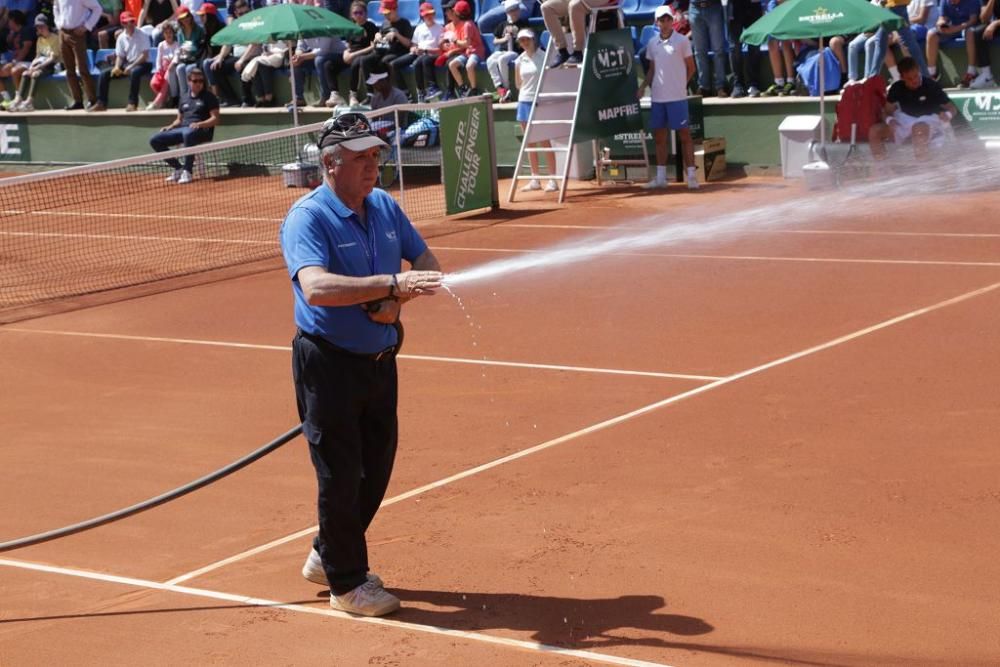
<point>117,237</point>
<point>411,357</point>
<point>750,258</point>
<point>850,232</point>
<point>608,423</point>
<point>326,611</point>
<point>140,216</point>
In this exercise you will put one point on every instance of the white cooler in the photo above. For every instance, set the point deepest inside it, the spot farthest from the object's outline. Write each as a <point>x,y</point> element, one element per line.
<point>797,134</point>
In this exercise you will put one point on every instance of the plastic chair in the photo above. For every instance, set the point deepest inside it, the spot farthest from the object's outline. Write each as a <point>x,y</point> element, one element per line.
<point>410,10</point>
<point>373,14</point>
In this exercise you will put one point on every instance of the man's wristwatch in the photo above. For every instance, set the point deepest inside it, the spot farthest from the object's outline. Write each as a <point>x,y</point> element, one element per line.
<point>393,287</point>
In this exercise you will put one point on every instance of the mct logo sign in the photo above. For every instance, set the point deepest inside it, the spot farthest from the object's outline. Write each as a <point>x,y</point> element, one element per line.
<point>12,147</point>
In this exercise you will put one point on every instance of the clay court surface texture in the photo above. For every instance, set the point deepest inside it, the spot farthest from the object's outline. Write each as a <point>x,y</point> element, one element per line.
<point>778,446</point>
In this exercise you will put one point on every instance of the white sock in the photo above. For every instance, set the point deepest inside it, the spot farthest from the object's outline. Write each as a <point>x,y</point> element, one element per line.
<point>932,70</point>
<point>971,69</point>
<point>894,73</point>
<point>5,95</point>
<point>661,173</point>
<point>692,172</point>
<point>780,80</point>
<point>987,71</point>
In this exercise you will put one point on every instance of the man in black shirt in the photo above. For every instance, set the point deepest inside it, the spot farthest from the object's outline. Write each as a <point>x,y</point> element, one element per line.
<point>392,43</point>
<point>984,33</point>
<point>197,116</point>
<point>916,106</point>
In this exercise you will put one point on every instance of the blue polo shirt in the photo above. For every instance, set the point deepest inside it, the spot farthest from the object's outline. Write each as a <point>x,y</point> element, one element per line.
<point>958,13</point>
<point>320,230</point>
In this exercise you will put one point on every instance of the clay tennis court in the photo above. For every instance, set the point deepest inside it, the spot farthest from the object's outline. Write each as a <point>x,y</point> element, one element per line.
<point>773,447</point>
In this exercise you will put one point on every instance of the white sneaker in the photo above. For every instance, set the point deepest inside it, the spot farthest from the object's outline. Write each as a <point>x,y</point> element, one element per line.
<point>983,80</point>
<point>354,101</point>
<point>753,91</point>
<point>336,100</point>
<point>26,106</point>
<point>314,572</point>
<point>175,176</point>
<point>533,184</point>
<point>368,599</point>
<point>654,185</point>
<point>551,186</point>
<point>692,181</point>
<point>184,178</point>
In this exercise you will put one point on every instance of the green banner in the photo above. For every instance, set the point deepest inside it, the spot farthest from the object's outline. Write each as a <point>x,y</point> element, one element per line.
<point>607,104</point>
<point>14,145</point>
<point>981,110</point>
<point>465,152</point>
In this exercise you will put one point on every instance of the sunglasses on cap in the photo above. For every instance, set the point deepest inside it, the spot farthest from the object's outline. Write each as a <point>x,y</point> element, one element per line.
<point>352,130</point>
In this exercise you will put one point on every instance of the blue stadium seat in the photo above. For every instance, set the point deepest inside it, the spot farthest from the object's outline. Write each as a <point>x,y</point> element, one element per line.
<point>102,56</point>
<point>373,14</point>
<point>410,10</point>
<point>641,10</point>
<point>544,40</point>
<point>222,12</point>
<point>487,5</point>
<point>648,32</point>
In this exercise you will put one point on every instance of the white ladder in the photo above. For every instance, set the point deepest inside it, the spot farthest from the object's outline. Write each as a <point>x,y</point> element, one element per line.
<point>553,113</point>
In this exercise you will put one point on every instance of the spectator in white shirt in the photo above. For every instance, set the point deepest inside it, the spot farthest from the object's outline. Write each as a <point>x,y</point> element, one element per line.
<point>74,19</point>
<point>131,60</point>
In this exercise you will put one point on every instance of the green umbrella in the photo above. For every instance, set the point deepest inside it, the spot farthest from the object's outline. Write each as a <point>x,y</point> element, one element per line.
<point>809,19</point>
<point>286,22</point>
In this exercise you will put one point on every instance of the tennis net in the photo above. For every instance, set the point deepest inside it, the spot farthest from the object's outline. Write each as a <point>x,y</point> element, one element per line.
<point>69,235</point>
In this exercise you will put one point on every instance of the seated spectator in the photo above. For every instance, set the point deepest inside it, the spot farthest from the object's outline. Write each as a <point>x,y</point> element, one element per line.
<point>108,27</point>
<point>906,36</point>
<point>923,15</point>
<point>191,38</point>
<point>424,50</point>
<point>260,71</point>
<point>197,116</point>
<point>916,107</point>
<point>162,79</point>
<point>359,47</point>
<point>231,60</point>
<point>327,57</point>
<point>491,18</point>
<point>782,58</point>
<point>47,57</point>
<point>527,73</point>
<point>18,50</point>
<point>743,14</point>
<point>576,12</point>
<point>957,19</point>
<point>211,24</point>
<point>506,49</point>
<point>467,50</point>
<point>391,42</point>
<point>154,15</point>
<point>384,94</point>
<point>982,35</point>
<point>231,5</point>
<point>131,60</point>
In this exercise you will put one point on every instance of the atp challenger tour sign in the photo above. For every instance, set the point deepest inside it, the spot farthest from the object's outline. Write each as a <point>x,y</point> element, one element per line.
<point>465,157</point>
<point>607,104</point>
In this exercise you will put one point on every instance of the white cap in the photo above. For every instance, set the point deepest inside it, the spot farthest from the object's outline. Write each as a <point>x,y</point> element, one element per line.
<point>526,32</point>
<point>375,77</point>
<point>511,4</point>
<point>663,10</point>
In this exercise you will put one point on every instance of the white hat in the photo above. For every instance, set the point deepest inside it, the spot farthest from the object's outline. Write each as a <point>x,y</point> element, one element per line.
<point>663,10</point>
<point>511,4</point>
<point>375,77</point>
<point>526,32</point>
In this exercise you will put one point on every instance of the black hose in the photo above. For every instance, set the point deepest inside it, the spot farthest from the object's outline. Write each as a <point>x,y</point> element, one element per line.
<point>153,502</point>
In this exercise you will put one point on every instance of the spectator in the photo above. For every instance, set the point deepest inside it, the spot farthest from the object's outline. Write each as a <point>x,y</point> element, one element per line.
<point>154,15</point>
<point>467,50</point>
<point>211,23</point>
<point>19,47</point>
<point>865,43</point>
<point>742,14</point>
<point>131,60</point>
<point>957,19</point>
<point>916,107</point>
<point>384,94</point>
<point>107,28</point>
<point>391,42</point>
<point>260,71</point>
<point>576,12</point>
<point>426,47</point>
<point>907,37</point>
<point>191,38</point>
<point>162,79</point>
<point>358,47</point>
<point>782,58</point>
<point>527,72</point>
<point>74,19</point>
<point>46,59</point>
<point>251,5</point>
<point>491,18</point>
<point>923,15</point>
<point>982,34</point>
<point>506,49</point>
<point>708,35</point>
<point>327,57</point>
<point>671,66</point>
<point>231,60</point>
<point>197,116</point>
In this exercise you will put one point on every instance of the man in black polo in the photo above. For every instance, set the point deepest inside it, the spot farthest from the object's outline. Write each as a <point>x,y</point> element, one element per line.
<point>197,116</point>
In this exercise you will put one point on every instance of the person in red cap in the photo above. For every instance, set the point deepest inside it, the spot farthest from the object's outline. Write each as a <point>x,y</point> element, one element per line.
<point>191,38</point>
<point>424,49</point>
<point>468,50</point>
<point>392,43</point>
<point>131,49</point>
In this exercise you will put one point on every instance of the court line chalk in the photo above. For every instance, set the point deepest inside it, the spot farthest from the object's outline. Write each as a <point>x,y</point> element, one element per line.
<point>609,422</point>
<point>411,357</point>
<point>589,656</point>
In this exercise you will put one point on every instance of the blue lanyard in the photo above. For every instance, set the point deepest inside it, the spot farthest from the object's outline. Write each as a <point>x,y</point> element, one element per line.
<point>368,242</point>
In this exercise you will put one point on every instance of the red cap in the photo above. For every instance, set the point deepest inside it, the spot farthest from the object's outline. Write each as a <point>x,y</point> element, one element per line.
<point>183,11</point>
<point>426,8</point>
<point>463,9</point>
<point>126,17</point>
<point>208,8</point>
<point>388,6</point>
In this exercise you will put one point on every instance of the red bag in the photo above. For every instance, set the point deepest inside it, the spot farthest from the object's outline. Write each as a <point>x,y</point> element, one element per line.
<point>158,81</point>
<point>860,106</point>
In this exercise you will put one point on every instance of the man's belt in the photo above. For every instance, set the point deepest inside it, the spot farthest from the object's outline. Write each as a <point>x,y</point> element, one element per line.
<point>381,355</point>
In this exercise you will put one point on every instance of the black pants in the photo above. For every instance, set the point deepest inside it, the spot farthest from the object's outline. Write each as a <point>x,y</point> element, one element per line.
<point>742,14</point>
<point>220,77</point>
<point>347,404</point>
<point>982,46</point>
<point>423,71</point>
<point>134,79</point>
